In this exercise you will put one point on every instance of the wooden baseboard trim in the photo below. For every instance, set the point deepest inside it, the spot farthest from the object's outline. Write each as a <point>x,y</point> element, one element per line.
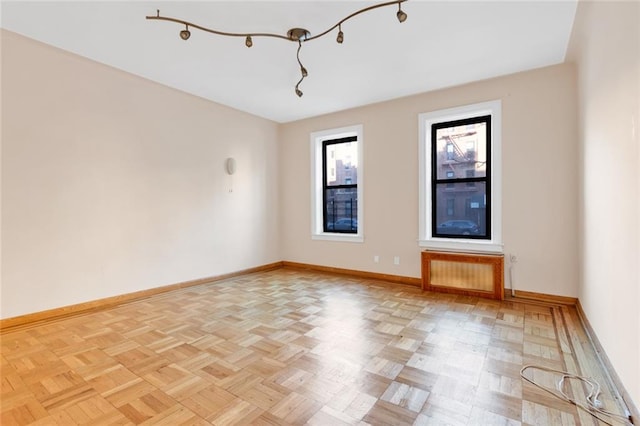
<point>398,279</point>
<point>37,318</point>
<point>540,297</point>
<point>623,394</point>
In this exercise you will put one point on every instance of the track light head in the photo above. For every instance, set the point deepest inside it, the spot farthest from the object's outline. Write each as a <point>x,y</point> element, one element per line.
<point>248,41</point>
<point>185,34</point>
<point>401,15</point>
<point>340,37</point>
<point>298,92</point>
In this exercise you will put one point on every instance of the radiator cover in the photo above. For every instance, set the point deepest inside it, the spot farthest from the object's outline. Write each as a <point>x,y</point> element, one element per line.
<point>463,273</point>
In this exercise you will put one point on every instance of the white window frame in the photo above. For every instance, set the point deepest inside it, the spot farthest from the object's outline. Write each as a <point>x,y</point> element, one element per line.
<point>425,120</point>
<point>316,140</point>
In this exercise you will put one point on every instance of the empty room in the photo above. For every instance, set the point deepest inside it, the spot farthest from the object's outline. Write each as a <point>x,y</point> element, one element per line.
<point>319,212</point>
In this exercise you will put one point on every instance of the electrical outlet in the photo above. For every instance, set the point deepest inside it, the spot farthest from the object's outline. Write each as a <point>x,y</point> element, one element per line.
<point>396,260</point>
<point>376,259</point>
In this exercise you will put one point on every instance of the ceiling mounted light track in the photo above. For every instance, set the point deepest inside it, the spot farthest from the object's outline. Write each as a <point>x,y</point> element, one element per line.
<point>298,35</point>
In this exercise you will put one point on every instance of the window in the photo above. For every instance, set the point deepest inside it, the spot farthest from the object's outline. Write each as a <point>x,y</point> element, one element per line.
<point>450,175</point>
<point>450,153</point>
<point>451,206</point>
<point>470,173</point>
<point>339,192</point>
<point>460,178</point>
<point>471,149</point>
<point>336,157</point>
<point>475,224</point>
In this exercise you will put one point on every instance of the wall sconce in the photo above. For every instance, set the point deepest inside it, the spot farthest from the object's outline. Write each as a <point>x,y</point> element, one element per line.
<point>230,166</point>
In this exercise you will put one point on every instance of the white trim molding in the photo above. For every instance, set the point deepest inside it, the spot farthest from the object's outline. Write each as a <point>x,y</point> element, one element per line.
<point>316,140</point>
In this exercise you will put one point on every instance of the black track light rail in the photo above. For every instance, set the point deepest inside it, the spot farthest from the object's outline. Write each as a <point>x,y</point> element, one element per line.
<point>356,13</point>
<point>299,35</point>
<point>212,31</point>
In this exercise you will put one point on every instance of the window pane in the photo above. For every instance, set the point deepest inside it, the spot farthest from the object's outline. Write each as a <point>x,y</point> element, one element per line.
<point>461,149</point>
<point>451,206</point>
<point>342,163</point>
<point>461,210</point>
<point>341,210</point>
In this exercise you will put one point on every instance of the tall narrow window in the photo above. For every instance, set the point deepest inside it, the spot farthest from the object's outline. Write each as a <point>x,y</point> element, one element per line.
<point>449,137</point>
<point>337,187</point>
<point>460,178</point>
<point>340,192</point>
<point>451,204</point>
<point>450,153</point>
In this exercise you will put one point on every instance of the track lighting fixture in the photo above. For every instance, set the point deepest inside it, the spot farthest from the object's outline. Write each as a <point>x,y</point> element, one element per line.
<point>340,37</point>
<point>401,15</point>
<point>299,35</point>
<point>185,34</point>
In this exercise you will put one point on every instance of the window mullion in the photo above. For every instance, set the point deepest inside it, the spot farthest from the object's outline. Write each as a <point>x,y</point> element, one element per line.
<point>462,180</point>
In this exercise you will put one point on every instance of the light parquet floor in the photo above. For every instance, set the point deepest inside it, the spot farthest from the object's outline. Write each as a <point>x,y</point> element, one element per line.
<point>297,347</point>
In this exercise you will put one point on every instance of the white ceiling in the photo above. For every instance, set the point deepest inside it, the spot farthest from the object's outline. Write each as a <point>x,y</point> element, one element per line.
<point>442,44</point>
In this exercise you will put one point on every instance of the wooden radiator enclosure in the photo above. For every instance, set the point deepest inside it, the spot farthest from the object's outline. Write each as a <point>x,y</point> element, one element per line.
<point>463,273</point>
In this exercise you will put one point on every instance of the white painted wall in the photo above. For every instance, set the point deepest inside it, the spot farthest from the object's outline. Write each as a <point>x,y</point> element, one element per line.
<point>606,47</point>
<point>113,184</point>
<point>540,160</point>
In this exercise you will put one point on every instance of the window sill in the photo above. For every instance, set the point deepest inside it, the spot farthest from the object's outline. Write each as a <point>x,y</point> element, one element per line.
<point>327,236</point>
<point>462,245</point>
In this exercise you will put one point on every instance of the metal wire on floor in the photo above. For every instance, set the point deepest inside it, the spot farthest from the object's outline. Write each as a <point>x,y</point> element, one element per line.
<point>592,406</point>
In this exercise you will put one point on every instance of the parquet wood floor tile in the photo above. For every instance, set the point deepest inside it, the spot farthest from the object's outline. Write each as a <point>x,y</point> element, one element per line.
<point>291,347</point>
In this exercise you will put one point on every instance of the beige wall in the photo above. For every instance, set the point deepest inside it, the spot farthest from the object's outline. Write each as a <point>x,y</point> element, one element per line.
<point>113,184</point>
<point>606,47</point>
<point>540,160</point>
